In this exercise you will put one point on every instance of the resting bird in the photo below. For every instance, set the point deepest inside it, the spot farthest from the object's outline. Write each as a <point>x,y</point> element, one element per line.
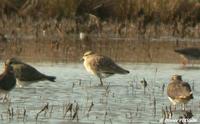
<point>101,66</point>
<point>189,54</point>
<point>7,80</point>
<point>179,91</point>
<point>26,73</point>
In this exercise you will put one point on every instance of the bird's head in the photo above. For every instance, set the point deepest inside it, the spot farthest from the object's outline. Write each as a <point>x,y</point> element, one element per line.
<point>12,61</point>
<point>176,77</point>
<point>8,68</point>
<point>86,54</point>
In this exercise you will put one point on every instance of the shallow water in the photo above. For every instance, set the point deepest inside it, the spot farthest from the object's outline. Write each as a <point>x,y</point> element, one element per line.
<point>121,100</point>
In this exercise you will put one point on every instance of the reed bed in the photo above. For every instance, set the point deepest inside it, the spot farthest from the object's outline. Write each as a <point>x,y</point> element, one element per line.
<point>51,40</point>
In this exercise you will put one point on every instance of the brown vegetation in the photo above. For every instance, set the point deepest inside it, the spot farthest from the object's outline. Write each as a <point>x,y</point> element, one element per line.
<point>47,30</point>
<point>55,41</point>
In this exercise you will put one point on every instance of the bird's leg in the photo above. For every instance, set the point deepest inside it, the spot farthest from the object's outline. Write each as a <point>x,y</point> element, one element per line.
<point>101,82</point>
<point>5,98</point>
<point>1,97</point>
<point>192,62</point>
<point>174,107</point>
<point>185,62</point>
<point>184,106</point>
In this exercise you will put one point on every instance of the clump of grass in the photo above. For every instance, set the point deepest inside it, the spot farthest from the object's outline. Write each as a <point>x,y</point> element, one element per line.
<point>68,108</point>
<point>52,40</point>
<point>76,110</point>
<point>44,109</point>
<point>164,10</point>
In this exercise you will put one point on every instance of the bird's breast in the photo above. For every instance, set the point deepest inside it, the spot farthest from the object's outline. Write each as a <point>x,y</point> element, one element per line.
<point>89,68</point>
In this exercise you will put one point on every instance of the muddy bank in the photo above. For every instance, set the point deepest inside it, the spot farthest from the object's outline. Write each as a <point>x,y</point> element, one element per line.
<point>70,49</point>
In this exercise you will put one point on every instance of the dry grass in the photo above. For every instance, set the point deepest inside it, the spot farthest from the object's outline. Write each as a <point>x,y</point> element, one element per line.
<point>57,41</point>
<point>71,49</point>
<point>164,10</point>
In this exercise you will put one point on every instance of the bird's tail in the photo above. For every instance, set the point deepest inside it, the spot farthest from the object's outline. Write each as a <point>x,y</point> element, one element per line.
<point>178,51</point>
<point>191,96</point>
<point>50,78</point>
<point>123,71</point>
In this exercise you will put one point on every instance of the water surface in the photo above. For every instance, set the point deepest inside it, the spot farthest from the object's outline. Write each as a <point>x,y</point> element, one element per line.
<point>121,100</point>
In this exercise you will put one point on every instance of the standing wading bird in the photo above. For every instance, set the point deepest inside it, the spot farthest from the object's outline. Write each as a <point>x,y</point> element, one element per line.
<point>27,74</point>
<point>179,91</point>
<point>188,54</point>
<point>7,81</point>
<point>101,66</point>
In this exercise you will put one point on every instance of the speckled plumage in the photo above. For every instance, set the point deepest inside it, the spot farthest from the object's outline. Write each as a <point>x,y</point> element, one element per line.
<point>101,66</point>
<point>179,91</point>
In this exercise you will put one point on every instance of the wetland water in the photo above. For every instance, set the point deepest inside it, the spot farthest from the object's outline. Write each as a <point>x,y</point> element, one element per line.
<point>121,101</point>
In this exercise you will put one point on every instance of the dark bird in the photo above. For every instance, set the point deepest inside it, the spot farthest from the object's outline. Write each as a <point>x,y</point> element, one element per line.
<point>101,66</point>
<point>26,73</point>
<point>179,91</point>
<point>187,54</point>
<point>7,80</point>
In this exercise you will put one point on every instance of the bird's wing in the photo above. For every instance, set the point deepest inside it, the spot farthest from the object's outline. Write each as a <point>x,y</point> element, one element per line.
<point>179,90</point>
<point>26,72</point>
<point>186,89</point>
<point>107,65</point>
<point>189,51</point>
<point>7,80</point>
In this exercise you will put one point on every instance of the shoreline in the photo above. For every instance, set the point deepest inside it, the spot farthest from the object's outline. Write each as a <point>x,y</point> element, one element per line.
<point>72,49</point>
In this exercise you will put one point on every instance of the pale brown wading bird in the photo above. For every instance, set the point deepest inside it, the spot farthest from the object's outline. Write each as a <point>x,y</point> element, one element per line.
<point>188,54</point>
<point>7,81</point>
<point>101,66</point>
<point>179,91</point>
<point>27,74</point>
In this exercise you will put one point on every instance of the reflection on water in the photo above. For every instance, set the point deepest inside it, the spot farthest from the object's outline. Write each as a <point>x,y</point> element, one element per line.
<point>121,100</point>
